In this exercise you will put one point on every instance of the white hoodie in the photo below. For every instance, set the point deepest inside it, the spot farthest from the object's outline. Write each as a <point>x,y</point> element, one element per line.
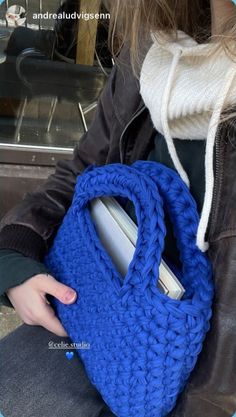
<point>185,86</point>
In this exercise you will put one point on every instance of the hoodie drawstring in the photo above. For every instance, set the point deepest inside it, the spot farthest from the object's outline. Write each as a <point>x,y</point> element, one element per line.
<point>209,158</point>
<point>210,142</point>
<point>164,119</point>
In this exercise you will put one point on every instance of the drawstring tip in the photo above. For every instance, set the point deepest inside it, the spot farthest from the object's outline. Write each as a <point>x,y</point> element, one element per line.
<point>203,246</point>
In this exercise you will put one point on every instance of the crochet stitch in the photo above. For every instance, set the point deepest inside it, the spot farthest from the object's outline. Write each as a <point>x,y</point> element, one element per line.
<point>143,345</point>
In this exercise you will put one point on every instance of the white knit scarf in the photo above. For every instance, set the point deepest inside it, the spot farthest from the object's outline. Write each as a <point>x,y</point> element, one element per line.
<point>185,86</point>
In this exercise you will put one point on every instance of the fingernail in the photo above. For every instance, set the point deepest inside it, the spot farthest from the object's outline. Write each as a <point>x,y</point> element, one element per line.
<point>70,295</point>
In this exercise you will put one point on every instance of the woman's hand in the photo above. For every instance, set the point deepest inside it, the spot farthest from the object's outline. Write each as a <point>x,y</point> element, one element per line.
<point>30,302</point>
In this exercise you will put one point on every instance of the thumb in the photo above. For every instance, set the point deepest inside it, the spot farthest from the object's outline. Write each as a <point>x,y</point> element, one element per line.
<point>62,292</point>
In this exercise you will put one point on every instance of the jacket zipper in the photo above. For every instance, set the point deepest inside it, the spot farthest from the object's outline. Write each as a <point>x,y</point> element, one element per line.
<point>122,142</point>
<point>218,181</point>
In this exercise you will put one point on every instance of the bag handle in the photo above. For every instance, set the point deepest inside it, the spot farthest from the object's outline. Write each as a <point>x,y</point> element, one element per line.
<point>125,181</point>
<point>182,210</point>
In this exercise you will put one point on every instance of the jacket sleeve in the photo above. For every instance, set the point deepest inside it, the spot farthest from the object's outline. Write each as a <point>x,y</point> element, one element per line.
<point>16,268</point>
<point>30,226</point>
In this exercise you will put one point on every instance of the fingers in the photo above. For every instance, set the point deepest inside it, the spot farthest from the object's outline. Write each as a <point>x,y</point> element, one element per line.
<point>63,293</point>
<point>29,300</point>
<point>50,322</point>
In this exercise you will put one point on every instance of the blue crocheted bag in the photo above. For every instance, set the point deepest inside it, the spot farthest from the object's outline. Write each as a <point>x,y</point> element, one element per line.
<point>143,345</point>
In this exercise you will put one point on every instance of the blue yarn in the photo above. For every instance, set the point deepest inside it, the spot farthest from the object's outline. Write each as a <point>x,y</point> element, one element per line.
<point>143,345</point>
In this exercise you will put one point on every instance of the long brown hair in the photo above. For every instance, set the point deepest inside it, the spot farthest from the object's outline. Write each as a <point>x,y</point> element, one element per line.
<point>133,20</point>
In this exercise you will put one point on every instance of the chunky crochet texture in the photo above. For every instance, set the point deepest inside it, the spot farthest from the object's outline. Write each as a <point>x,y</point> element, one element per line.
<point>143,345</point>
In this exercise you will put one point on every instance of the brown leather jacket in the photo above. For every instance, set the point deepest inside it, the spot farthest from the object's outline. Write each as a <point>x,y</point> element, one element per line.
<point>123,131</point>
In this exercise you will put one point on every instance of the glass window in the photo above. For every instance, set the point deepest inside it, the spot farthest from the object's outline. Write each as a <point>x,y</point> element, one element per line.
<point>47,96</point>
